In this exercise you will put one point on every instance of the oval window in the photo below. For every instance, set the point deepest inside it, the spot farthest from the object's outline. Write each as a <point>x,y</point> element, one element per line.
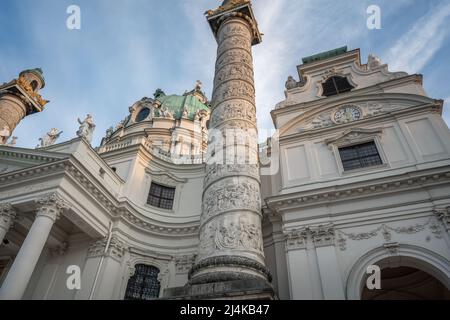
<point>143,114</point>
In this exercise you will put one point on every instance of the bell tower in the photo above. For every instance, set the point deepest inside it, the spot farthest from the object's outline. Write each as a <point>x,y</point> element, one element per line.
<point>20,98</point>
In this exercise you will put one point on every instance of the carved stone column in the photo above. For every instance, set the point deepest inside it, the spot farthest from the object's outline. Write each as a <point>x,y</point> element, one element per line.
<point>7,216</point>
<point>231,246</point>
<point>49,209</point>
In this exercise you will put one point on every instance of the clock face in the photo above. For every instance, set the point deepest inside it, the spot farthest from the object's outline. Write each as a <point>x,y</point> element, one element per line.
<point>347,114</point>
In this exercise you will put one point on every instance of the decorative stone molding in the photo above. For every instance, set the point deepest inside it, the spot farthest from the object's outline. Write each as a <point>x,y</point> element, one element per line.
<point>392,247</point>
<point>319,236</point>
<point>51,206</point>
<point>402,182</point>
<point>355,135</point>
<point>443,214</point>
<point>116,248</point>
<point>7,215</point>
<point>7,211</point>
<point>59,250</point>
<point>165,177</point>
<point>386,231</point>
<point>184,263</point>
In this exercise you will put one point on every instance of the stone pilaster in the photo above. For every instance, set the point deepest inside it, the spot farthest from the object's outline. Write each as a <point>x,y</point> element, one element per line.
<point>7,216</point>
<point>231,246</point>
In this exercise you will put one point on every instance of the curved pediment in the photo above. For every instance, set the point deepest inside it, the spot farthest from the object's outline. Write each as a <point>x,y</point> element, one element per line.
<point>365,106</point>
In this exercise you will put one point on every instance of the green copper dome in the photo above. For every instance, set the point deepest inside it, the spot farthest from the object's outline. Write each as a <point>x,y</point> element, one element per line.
<point>176,104</point>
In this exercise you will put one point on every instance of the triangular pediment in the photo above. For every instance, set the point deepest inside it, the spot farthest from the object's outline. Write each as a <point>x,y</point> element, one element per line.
<point>13,159</point>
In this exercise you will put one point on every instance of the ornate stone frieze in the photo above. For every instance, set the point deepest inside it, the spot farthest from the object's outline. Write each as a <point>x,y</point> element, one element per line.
<point>233,42</point>
<point>234,110</point>
<point>230,233</point>
<point>218,171</point>
<point>51,206</point>
<point>319,236</point>
<point>231,195</point>
<point>443,214</point>
<point>234,72</point>
<point>234,30</point>
<point>116,248</point>
<point>387,231</point>
<point>235,56</point>
<point>367,110</point>
<point>234,90</point>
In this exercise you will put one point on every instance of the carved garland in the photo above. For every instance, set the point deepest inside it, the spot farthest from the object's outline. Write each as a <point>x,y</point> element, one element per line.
<point>387,231</point>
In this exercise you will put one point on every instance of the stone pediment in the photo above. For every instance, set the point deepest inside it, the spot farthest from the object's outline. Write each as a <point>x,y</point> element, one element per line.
<point>12,158</point>
<point>165,177</point>
<point>354,135</point>
<point>359,108</point>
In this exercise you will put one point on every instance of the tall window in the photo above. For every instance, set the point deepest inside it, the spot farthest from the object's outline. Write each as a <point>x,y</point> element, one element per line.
<point>360,156</point>
<point>161,196</point>
<point>144,284</point>
<point>335,85</point>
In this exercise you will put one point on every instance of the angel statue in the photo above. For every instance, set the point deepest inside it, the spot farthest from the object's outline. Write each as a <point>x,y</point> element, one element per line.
<point>50,138</point>
<point>4,134</point>
<point>86,129</point>
<point>12,142</point>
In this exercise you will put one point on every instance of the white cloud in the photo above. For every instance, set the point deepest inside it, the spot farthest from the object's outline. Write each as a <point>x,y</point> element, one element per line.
<point>414,49</point>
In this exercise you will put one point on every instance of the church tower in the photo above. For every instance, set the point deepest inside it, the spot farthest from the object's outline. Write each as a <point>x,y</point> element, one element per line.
<point>18,99</point>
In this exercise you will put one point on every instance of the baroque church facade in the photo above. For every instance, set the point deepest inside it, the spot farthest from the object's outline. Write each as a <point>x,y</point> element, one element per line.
<point>356,176</point>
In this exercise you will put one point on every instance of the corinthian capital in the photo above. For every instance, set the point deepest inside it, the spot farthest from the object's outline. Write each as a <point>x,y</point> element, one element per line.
<point>50,206</point>
<point>7,211</point>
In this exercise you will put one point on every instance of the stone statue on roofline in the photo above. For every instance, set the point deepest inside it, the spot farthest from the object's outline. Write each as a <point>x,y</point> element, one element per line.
<point>12,142</point>
<point>86,129</point>
<point>49,138</point>
<point>4,135</point>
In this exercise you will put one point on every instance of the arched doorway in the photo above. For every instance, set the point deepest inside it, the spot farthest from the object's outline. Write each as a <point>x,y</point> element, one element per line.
<point>406,283</point>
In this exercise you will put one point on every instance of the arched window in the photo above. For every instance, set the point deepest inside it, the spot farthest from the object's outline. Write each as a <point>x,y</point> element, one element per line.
<point>34,85</point>
<point>336,85</point>
<point>143,114</point>
<point>144,284</point>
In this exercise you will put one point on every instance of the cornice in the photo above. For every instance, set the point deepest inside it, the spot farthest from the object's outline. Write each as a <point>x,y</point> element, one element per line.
<point>115,209</point>
<point>374,90</point>
<point>29,155</point>
<point>356,190</point>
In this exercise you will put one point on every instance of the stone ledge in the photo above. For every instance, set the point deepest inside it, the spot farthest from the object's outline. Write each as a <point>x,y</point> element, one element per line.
<point>251,289</point>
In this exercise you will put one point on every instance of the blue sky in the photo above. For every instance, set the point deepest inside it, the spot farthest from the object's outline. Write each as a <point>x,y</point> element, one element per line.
<point>127,49</point>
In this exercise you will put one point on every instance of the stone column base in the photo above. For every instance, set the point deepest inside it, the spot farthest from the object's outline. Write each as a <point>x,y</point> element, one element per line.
<point>250,289</point>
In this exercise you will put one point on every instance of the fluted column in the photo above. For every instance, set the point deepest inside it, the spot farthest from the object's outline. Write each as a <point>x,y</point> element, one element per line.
<point>49,209</point>
<point>231,246</point>
<point>7,216</point>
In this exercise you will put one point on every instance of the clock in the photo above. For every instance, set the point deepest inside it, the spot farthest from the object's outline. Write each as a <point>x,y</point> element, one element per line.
<point>347,114</point>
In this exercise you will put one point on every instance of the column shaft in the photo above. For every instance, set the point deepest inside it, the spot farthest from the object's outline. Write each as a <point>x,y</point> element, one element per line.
<point>231,246</point>
<point>22,269</point>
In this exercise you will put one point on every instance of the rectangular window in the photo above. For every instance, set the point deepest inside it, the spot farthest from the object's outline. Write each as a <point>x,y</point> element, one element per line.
<point>161,196</point>
<point>360,156</point>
